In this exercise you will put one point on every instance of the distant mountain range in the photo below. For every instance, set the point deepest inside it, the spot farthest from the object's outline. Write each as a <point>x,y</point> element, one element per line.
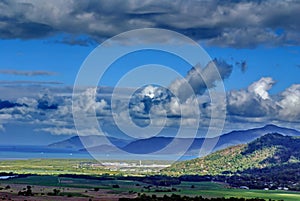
<point>79,143</point>
<point>187,146</point>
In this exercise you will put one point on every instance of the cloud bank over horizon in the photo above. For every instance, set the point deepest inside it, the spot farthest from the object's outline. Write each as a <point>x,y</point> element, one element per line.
<point>52,110</point>
<point>239,24</point>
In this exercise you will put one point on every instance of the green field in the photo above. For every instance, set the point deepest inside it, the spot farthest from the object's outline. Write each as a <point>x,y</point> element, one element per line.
<point>209,189</point>
<point>205,189</point>
<point>51,167</point>
<point>72,166</point>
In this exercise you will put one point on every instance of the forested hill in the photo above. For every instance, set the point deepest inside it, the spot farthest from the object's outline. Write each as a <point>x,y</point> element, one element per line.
<point>269,151</point>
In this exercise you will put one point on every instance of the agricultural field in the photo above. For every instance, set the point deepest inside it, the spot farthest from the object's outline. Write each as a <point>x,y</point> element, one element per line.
<point>65,188</point>
<point>81,166</point>
<point>51,166</point>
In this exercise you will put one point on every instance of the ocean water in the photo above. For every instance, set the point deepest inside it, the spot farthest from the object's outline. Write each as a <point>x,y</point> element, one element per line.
<point>39,152</point>
<point>15,155</point>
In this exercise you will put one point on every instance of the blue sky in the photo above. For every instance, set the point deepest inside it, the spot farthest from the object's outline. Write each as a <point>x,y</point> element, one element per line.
<point>64,60</point>
<point>43,45</point>
<point>280,63</point>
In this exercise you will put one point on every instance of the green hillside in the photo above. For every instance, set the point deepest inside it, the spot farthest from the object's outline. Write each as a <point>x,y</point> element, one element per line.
<point>269,151</point>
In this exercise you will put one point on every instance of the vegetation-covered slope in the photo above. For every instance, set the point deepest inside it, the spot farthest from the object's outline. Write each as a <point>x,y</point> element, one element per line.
<point>265,152</point>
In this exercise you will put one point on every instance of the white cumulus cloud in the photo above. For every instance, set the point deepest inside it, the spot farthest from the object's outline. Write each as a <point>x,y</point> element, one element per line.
<point>290,104</point>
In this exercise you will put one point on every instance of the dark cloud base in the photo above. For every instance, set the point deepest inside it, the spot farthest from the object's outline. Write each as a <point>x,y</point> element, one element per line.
<point>239,24</point>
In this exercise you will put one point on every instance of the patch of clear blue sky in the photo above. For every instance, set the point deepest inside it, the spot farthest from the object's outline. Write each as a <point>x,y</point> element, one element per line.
<point>280,63</point>
<point>144,57</point>
<point>42,55</point>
